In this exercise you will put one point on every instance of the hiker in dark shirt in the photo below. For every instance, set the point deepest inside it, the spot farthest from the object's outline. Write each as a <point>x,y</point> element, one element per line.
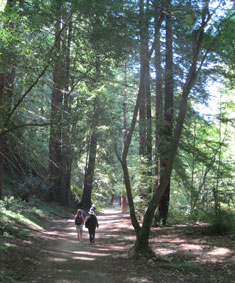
<point>91,223</point>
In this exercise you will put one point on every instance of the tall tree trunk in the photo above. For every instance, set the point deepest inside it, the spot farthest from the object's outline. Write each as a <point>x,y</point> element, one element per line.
<point>6,86</point>
<point>162,211</point>
<point>65,169</point>
<point>149,119</point>
<point>143,75</point>
<point>90,169</point>
<point>7,75</point>
<point>56,110</point>
<point>124,133</point>
<point>145,119</point>
<point>159,144</point>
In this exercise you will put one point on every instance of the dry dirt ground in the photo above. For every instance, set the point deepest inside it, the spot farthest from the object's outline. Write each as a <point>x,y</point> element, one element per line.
<point>183,254</point>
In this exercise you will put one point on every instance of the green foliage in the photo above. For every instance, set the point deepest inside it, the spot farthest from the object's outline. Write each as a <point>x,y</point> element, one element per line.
<point>7,276</point>
<point>222,223</point>
<point>108,30</point>
<point>15,212</point>
<point>77,192</point>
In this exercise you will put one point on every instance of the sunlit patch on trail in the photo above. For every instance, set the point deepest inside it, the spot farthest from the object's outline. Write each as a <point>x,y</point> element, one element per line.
<point>162,251</point>
<point>220,251</point>
<point>83,258</point>
<point>111,211</point>
<point>10,245</point>
<point>70,228</point>
<point>216,255</point>
<point>57,259</point>
<point>101,222</point>
<point>89,253</point>
<point>191,247</point>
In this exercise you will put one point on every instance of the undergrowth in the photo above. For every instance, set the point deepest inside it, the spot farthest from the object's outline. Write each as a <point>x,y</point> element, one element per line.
<point>19,220</point>
<point>184,267</point>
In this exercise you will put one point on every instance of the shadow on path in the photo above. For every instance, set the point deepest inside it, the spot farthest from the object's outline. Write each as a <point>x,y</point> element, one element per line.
<point>67,260</point>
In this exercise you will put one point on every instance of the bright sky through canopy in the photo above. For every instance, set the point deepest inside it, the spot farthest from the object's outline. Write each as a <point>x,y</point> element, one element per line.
<point>2,4</point>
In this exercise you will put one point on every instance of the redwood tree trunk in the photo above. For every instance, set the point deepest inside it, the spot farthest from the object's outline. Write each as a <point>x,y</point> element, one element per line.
<point>124,136</point>
<point>166,134</point>
<point>65,170</point>
<point>7,75</point>
<point>56,107</point>
<point>89,173</point>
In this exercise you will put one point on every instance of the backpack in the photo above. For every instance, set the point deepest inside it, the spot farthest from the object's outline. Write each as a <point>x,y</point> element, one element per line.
<point>78,220</point>
<point>87,222</point>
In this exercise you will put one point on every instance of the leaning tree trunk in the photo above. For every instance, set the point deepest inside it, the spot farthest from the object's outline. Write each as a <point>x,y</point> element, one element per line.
<point>123,158</point>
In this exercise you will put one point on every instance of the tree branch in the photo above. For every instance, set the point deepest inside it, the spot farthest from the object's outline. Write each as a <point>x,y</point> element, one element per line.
<point>22,126</point>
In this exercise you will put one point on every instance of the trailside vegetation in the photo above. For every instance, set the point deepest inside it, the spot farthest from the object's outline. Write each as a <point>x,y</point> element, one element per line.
<point>103,101</point>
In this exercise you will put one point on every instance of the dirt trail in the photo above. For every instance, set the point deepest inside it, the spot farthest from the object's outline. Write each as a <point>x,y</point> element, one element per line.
<point>184,254</point>
<point>64,259</point>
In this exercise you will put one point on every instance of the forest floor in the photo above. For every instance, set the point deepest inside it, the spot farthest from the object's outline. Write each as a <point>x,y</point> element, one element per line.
<point>183,254</point>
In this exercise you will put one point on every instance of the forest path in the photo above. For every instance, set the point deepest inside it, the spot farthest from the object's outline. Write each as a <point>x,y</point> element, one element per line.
<point>64,259</point>
<point>184,253</point>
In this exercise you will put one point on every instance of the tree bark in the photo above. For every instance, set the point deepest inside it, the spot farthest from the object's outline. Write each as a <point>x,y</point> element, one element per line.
<point>143,75</point>
<point>7,75</point>
<point>65,171</point>
<point>6,87</point>
<point>56,110</point>
<point>90,169</point>
<point>162,210</point>
<point>124,133</point>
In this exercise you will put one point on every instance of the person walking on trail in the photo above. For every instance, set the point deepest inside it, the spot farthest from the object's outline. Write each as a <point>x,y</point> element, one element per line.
<point>91,223</point>
<point>93,208</point>
<point>79,222</point>
<point>83,214</point>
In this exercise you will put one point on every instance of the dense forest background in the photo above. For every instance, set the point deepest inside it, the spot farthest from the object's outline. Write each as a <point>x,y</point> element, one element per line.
<point>104,100</point>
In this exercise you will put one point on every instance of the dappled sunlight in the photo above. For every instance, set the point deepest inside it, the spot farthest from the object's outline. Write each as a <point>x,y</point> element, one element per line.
<point>10,245</point>
<point>56,259</point>
<point>190,247</point>
<point>52,233</point>
<point>101,248</point>
<point>111,211</point>
<point>70,228</point>
<point>104,222</point>
<point>90,253</point>
<point>120,248</point>
<point>84,258</point>
<point>111,236</point>
<point>217,254</point>
<point>162,251</point>
<point>219,251</point>
<point>66,258</point>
